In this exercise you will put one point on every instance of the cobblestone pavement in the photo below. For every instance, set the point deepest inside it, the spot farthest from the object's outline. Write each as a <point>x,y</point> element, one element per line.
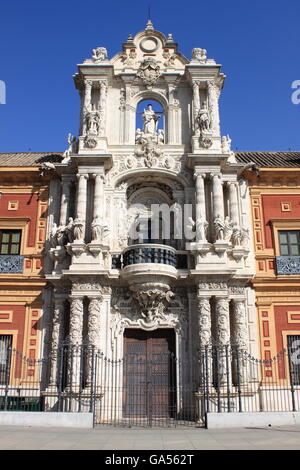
<point>105,438</point>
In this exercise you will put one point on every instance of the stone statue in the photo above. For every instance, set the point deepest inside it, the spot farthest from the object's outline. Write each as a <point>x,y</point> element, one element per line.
<point>78,230</point>
<point>236,235</point>
<point>53,240</point>
<point>93,122</point>
<point>225,144</point>
<point>96,229</point>
<point>201,228</point>
<point>61,235</point>
<point>150,120</point>
<point>161,136</point>
<point>203,119</point>
<point>99,54</point>
<point>70,230</point>
<point>199,54</point>
<point>245,237</point>
<point>228,228</point>
<point>219,227</point>
<point>72,148</point>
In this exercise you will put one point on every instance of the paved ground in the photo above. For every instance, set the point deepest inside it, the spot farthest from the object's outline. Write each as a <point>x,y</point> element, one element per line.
<point>105,438</point>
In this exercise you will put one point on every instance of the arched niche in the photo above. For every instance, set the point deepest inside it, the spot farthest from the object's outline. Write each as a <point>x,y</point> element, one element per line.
<point>159,105</point>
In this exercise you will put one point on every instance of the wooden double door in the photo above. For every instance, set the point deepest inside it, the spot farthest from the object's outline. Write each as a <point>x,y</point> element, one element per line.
<point>149,374</point>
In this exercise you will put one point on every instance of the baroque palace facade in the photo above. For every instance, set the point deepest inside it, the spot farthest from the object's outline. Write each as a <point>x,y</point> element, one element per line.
<point>192,283</point>
<point>149,247</point>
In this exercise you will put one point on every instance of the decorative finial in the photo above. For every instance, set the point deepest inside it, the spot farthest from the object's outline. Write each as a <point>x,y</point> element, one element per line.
<point>170,38</point>
<point>130,38</point>
<point>149,25</point>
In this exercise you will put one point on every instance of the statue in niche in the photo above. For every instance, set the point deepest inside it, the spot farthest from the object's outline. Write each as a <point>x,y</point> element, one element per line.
<point>92,120</point>
<point>203,119</point>
<point>150,119</point>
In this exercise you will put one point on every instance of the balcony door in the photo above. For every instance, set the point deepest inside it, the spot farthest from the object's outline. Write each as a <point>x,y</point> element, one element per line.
<point>149,374</point>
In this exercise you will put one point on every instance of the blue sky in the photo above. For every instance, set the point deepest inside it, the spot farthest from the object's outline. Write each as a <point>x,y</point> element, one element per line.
<point>257,42</point>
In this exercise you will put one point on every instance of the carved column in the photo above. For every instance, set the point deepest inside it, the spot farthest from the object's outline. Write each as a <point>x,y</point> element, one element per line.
<point>79,223</point>
<point>223,340</point>
<point>103,97</point>
<point>240,338</point>
<point>240,332</point>
<point>75,335</point>
<point>56,340</point>
<point>218,201</point>
<point>99,200</point>
<point>213,107</point>
<point>94,323</point>
<point>200,206</point>
<point>87,103</point>
<point>65,199</point>
<point>204,319</point>
<point>196,99</point>
<point>233,202</point>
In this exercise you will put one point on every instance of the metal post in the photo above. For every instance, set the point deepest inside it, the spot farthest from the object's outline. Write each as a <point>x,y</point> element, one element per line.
<point>207,378</point>
<point>7,374</point>
<point>218,379</point>
<point>227,379</point>
<point>291,380</point>
<point>238,378</point>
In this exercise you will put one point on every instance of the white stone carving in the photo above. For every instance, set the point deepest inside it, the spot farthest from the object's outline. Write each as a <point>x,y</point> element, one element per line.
<point>199,55</point>
<point>149,71</point>
<point>152,298</point>
<point>99,54</point>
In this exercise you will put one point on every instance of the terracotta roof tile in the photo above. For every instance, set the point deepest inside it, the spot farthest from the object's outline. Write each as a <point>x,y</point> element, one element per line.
<point>270,159</point>
<point>28,159</point>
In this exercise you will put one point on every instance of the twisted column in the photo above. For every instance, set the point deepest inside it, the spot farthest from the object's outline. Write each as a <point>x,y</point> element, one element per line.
<point>56,339</point>
<point>75,335</point>
<point>223,341</point>
<point>94,324</point>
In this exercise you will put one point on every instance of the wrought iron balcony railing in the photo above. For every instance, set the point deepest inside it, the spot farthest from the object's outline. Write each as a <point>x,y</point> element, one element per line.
<point>150,254</point>
<point>11,264</point>
<point>288,264</point>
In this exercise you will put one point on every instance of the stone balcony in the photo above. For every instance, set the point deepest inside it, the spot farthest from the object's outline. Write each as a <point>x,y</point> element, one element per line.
<point>144,263</point>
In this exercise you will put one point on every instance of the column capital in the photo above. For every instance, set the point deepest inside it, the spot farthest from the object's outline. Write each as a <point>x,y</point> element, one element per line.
<point>218,175</point>
<point>83,175</point>
<point>199,173</point>
<point>88,83</point>
<point>94,175</point>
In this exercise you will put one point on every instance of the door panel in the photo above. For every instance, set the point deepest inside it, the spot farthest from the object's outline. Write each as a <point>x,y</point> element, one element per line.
<point>149,373</point>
